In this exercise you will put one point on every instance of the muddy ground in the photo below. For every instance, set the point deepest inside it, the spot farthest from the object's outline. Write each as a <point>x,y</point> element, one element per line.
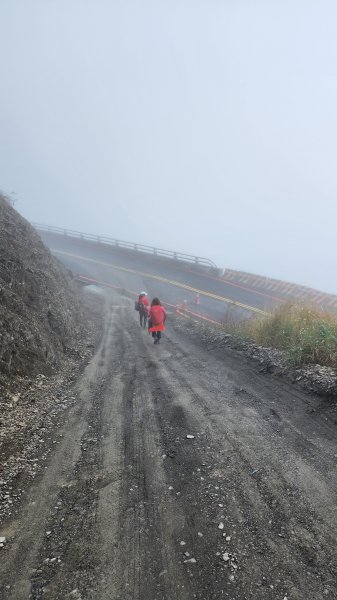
<point>312,378</point>
<point>124,505</point>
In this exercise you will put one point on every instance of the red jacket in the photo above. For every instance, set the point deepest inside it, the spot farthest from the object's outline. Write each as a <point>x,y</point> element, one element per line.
<point>145,302</point>
<point>157,318</point>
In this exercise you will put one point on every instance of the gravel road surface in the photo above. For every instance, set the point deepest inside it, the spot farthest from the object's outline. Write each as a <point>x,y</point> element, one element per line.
<point>180,474</point>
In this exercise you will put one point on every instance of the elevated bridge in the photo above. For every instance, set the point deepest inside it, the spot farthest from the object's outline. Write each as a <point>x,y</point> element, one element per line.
<point>177,278</point>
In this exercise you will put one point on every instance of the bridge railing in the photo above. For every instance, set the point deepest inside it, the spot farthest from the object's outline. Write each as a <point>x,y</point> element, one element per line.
<point>103,239</point>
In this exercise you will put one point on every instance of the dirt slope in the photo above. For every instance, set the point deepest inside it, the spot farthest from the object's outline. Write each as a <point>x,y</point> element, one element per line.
<point>38,305</point>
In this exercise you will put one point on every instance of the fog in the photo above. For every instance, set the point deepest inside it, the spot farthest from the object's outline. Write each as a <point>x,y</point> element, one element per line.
<point>206,127</point>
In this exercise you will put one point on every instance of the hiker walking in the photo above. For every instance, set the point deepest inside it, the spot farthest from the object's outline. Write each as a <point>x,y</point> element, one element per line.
<point>143,307</point>
<point>157,317</point>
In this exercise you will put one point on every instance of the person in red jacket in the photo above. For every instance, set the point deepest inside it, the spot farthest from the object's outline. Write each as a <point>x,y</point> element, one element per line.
<point>144,307</point>
<point>157,317</point>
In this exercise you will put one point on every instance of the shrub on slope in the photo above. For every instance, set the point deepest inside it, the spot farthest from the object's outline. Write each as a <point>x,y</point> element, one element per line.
<point>307,334</point>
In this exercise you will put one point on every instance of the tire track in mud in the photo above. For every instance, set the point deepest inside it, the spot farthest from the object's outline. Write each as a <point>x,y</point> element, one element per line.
<point>143,563</point>
<point>51,503</point>
<point>77,538</point>
<point>266,502</point>
<point>159,506</point>
<point>143,557</point>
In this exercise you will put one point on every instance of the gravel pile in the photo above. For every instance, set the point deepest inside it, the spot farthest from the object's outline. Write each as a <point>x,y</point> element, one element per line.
<point>314,378</point>
<point>32,409</point>
<point>29,419</point>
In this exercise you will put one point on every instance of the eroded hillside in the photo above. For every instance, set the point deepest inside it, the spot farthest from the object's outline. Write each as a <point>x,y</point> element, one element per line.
<point>39,310</point>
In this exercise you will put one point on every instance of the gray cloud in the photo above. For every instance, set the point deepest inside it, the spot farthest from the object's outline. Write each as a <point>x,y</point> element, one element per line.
<point>209,127</point>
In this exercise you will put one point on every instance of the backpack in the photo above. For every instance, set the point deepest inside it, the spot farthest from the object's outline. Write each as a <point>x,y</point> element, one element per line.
<point>137,307</point>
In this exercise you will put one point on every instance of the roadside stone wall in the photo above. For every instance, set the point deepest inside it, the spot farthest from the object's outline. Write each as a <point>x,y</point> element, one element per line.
<point>282,290</point>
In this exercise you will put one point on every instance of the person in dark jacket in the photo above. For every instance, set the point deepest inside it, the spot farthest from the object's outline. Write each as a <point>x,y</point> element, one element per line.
<point>157,318</point>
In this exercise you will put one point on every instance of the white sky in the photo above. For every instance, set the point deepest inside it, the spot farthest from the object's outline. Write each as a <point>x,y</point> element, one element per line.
<point>207,127</point>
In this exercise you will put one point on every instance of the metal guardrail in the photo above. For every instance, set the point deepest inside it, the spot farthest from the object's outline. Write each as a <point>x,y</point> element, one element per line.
<point>102,239</point>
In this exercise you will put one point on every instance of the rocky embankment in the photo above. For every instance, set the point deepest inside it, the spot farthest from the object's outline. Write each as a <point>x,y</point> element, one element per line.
<point>48,331</point>
<point>40,316</point>
<point>313,378</point>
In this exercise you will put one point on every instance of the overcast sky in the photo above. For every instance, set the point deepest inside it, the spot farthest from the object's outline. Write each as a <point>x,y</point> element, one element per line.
<point>208,127</point>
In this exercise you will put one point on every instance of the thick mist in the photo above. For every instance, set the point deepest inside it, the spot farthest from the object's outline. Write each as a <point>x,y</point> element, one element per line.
<point>206,127</point>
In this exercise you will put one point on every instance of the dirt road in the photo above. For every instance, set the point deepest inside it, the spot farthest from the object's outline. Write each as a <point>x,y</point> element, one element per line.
<point>130,507</point>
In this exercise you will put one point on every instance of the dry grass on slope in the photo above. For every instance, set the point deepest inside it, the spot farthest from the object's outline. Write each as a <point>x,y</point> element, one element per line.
<point>307,334</point>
